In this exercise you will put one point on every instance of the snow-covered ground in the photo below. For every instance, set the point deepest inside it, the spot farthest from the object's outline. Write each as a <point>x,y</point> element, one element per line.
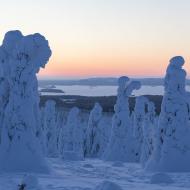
<point>86,175</point>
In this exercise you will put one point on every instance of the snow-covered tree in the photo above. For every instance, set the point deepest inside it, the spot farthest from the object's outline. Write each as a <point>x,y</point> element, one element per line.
<point>139,116</point>
<point>121,145</point>
<point>149,129</point>
<point>172,150</point>
<point>50,128</point>
<point>73,136</point>
<point>61,122</point>
<point>95,140</point>
<point>20,149</point>
<point>4,85</point>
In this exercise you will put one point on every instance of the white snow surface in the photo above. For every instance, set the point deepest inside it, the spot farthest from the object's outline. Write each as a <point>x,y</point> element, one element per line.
<point>30,182</point>
<point>74,176</point>
<point>161,178</point>
<point>108,185</point>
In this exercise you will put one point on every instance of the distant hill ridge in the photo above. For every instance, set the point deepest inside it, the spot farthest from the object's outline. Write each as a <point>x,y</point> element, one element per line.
<point>102,81</point>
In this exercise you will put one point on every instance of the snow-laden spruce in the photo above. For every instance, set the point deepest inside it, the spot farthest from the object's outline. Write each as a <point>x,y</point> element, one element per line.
<point>95,137</point>
<point>20,149</point>
<point>50,128</point>
<point>73,137</point>
<point>139,116</point>
<point>4,86</point>
<point>172,151</point>
<point>121,145</point>
<point>148,132</point>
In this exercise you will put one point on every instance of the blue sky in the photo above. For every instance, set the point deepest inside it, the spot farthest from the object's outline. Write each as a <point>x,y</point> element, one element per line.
<point>104,37</point>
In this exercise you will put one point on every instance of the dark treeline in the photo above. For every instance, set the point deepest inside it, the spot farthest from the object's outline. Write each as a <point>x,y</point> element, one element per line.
<point>87,103</point>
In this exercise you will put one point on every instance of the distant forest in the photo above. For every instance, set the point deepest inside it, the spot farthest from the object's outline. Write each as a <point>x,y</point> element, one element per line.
<point>87,103</point>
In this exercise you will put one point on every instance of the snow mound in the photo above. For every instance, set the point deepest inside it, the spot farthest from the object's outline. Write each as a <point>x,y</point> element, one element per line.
<point>108,185</point>
<point>72,156</point>
<point>29,182</point>
<point>88,166</point>
<point>161,178</point>
<point>118,164</point>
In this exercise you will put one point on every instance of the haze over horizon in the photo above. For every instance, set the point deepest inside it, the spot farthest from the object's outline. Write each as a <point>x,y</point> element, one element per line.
<point>104,38</point>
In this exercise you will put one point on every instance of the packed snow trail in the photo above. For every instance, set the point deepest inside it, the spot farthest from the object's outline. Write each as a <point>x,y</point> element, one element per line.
<point>86,175</point>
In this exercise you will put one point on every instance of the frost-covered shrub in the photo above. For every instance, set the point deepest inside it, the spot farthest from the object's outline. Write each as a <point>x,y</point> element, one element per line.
<point>149,129</point>
<point>139,116</point>
<point>73,136</point>
<point>95,140</point>
<point>20,149</point>
<point>121,145</point>
<point>172,150</point>
<point>50,128</point>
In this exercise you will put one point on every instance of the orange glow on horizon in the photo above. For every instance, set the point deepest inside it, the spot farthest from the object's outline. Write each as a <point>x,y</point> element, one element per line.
<point>104,38</point>
<point>113,66</point>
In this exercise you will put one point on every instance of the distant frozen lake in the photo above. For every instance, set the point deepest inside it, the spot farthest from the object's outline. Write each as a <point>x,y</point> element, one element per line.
<point>105,90</point>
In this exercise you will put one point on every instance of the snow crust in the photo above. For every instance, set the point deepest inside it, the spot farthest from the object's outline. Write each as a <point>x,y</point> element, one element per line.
<point>108,185</point>
<point>30,182</point>
<point>118,164</point>
<point>161,178</point>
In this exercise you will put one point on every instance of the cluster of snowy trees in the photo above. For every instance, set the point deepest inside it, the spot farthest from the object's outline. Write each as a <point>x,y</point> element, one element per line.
<point>159,143</point>
<point>70,138</point>
<point>29,133</point>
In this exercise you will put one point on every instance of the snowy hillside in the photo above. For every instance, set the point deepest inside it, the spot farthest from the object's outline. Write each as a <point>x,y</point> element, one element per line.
<point>51,147</point>
<point>86,175</point>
